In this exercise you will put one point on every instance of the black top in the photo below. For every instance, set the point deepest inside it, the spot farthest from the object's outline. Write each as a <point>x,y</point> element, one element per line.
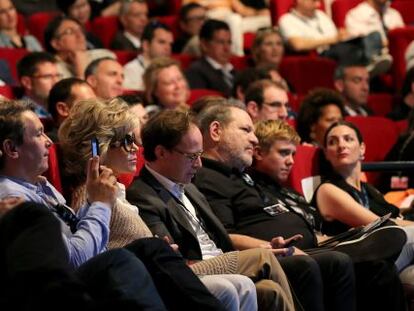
<point>369,197</point>
<point>239,201</point>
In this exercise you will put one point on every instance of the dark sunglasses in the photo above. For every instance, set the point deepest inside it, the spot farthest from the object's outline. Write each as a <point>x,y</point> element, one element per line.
<point>127,143</point>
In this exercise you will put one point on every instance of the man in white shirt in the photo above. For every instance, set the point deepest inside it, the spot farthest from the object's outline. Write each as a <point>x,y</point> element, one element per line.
<point>373,16</point>
<point>307,28</point>
<point>157,40</point>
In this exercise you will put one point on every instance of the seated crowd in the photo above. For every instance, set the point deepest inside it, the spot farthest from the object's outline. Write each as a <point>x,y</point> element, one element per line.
<point>175,163</point>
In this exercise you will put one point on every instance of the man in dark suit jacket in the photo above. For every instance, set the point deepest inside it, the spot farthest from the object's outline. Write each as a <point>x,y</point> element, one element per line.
<point>133,18</point>
<point>173,207</point>
<point>214,70</point>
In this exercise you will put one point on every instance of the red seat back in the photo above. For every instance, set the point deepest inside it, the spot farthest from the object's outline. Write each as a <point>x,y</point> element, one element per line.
<point>105,28</point>
<point>380,103</point>
<point>53,172</point>
<point>196,94</point>
<point>339,10</point>
<point>172,22</point>
<point>124,57</point>
<point>37,23</point>
<point>306,164</point>
<point>406,9</point>
<point>399,39</point>
<point>301,71</point>
<point>12,56</point>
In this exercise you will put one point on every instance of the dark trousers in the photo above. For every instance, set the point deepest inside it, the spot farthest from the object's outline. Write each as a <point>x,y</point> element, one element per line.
<point>356,51</point>
<point>34,271</point>
<point>323,281</point>
<point>179,287</point>
<point>378,286</point>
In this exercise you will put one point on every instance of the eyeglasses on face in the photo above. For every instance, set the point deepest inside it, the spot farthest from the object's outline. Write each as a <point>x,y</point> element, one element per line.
<point>69,31</point>
<point>190,156</point>
<point>128,143</point>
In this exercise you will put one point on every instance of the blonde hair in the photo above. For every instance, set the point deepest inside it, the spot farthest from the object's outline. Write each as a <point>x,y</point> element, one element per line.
<point>269,131</point>
<point>151,76</point>
<point>106,120</point>
<point>261,35</point>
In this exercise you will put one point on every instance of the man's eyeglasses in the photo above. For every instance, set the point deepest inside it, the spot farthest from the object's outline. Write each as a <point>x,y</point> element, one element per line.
<point>190,156</point>
<point>127,143</point>
<point>57,76</point>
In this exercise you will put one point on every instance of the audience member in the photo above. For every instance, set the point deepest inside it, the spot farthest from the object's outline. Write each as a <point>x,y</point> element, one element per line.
<point>229,142</point>
<point>63,95</point>
<point>268,47</point>
<point>35,273</point>
<point>273,162</point>
<point>353,83</point>
<point>318,111</point>
<point>403,150</point>
<point>266,100</point>
<point>156,42</point>
<point>136,106</point>
<point>85,235</point>
<point>306,28</point>
<point>238,16</point>
<point>133,17</point>
<point>373,16</point>
<point>165,85</point>
<point>409,56</point>
<point>105,76</point>
<point>119,152</point>
<point>244,78</point>
<point>214,70</point>
<point>9,36</point>
<point>64,37</point>
<point>173,207</point>
<point>191,18</point>
<point>343,200</point>
<point>81,11</point>
<point>38,72</point>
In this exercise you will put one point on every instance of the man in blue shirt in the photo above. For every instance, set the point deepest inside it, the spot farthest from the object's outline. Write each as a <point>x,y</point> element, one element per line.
<point>24,156</point>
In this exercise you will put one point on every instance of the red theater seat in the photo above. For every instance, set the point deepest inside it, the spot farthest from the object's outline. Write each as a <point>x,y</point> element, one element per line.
<point>380,103</point>
<point>37,23</point>
<point>12,56</point>
<point>196,94</point>
<point>105,28</point>
<point>406,9</point>
<point>124,57</point>
<point>53,172</point>
<point>399,39</point>
<point>307,72</point>
<point>339,10</point>
<point>306,165</point>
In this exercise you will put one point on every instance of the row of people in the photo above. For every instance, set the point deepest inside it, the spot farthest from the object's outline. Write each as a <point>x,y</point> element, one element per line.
<point>171,162</point>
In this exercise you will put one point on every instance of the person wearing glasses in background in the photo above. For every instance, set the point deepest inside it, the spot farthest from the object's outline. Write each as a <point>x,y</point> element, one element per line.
<point>114,126</point>
<point>9,35</point>
<point>191,18</point>
<point>37,74</point>
<point>65,38</point>
<point>81,11</point>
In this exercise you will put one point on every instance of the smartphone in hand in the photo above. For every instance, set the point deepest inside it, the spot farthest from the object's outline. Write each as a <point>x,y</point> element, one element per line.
<point>95,147</point>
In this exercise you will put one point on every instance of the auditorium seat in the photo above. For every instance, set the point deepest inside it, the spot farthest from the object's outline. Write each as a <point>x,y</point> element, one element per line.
<point>300,72</point>
<point>37,23</point>
<point>53,172</point>
<point>306,165</point>
<point>105,28</point>
<point>196,94</point>
<point>339,10</point>
<point>399,39</point>
<point>124,57</point>
<point>406,9</point>
<point>380,103</point>
<point>12,56</point>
